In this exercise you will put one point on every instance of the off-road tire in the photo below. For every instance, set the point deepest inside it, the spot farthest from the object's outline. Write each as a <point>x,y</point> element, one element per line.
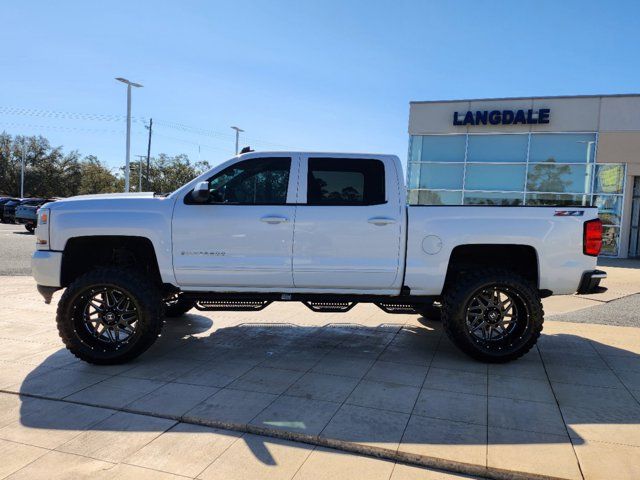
<point>142,291</point>
<point>457,299</point>
<point>177,308</point>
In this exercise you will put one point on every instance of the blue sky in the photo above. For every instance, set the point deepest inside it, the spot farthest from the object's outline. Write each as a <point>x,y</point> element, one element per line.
<point>319,75</point>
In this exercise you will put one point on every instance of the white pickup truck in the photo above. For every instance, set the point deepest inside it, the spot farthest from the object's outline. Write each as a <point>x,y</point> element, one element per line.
<point>329,230</point>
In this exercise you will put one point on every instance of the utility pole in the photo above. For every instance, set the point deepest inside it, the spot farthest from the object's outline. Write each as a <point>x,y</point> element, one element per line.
<point>140,160</point>
<point>238,130</point>
<point>150,128</point>
<point>126,165</point>
<point>24,154</point>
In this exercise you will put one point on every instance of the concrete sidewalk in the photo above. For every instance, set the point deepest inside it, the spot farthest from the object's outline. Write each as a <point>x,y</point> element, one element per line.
<point>95,443</point>
<point>389,386</point>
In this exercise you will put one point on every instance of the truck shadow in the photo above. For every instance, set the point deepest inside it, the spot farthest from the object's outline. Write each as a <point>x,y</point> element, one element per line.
<point>394,386</point>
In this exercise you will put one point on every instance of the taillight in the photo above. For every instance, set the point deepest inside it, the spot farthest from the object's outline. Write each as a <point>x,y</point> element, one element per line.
<point>592,241</point>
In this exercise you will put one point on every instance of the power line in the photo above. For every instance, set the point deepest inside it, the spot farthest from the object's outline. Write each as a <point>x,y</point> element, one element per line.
<point>212,133</point>
<point>56,114</point>
<point>36,112</point>
<point>182,140</point>
<point>61,127</point>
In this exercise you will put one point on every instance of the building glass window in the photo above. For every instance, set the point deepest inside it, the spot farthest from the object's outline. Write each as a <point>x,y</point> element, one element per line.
<point>497,148</point>
<point>486,176</point>
<point>609,178</point>
<point>557,199</point>
<point>443,148</point>
<point>492,198</point>
<point>543,169</point>
<point>435,197</point>
<point>442,176</point>
<point>544,177</point>
<point>609,208</point>
<point>562,147</point>
<point>610,241</point>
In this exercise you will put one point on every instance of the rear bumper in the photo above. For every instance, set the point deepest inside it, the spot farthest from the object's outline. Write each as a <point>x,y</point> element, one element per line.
<point>590,281</point>
<point>46,267</point>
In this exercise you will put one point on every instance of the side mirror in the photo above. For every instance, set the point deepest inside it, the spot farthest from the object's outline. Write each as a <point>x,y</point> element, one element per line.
<point>200,194</point>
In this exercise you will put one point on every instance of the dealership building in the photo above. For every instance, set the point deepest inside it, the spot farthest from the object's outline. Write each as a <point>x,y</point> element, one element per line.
<point>560,151</point>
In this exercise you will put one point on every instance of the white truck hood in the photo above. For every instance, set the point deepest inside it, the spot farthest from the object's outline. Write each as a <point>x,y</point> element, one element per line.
<point>108,196</point>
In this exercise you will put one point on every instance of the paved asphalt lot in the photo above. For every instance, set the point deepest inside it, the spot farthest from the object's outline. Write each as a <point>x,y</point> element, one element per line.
<point>16,245</point>
<point>623,312</point>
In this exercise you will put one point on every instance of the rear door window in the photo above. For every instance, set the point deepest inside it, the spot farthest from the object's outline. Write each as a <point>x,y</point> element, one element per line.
<point>345,181</point>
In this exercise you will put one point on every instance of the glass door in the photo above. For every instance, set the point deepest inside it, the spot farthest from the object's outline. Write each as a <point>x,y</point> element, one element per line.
<point>634,239</point>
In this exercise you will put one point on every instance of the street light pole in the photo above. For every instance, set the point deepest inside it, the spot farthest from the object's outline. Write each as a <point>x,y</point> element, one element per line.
<point>126,165</point>
<point>238,130</point>
<point>24,153</point>
<point>150,127</point>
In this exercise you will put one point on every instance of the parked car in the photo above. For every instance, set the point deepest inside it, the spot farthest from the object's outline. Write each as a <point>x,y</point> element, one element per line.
<point>3,202</point>
<point>9,212</point>
<point>329,230</point>
<point>27,211</point>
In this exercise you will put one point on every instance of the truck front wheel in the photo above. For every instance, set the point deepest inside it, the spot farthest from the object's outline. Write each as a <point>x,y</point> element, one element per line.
<point>493,315</point>
<point>110,315</point>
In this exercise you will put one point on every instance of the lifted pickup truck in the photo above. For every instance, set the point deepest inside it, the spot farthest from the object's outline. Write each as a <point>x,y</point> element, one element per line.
<point>329,230</point>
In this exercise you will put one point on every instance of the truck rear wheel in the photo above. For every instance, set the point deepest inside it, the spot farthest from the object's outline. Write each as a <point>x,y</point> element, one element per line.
<point>493,315</point>
<point>110,315</point>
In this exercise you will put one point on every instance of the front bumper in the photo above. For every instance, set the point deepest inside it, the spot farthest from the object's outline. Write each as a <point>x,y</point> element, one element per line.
<point>590,281</point>
<point>46,267</point>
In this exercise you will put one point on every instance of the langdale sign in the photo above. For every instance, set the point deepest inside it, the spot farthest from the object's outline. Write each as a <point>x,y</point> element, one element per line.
<point>503,117</point>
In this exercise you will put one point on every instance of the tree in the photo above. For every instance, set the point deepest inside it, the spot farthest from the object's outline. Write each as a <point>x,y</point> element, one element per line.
<point>169,173</point>
<point>96,177</point>
<point>49,172</point>
<point>548,177</point>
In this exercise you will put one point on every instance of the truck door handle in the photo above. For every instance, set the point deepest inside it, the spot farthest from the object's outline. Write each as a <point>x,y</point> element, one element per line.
<point>273,219</point>
<point>380,221</point>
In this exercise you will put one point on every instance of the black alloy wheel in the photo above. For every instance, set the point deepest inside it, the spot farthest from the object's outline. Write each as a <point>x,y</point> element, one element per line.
<point>495,315</point>
<point>109,316</point>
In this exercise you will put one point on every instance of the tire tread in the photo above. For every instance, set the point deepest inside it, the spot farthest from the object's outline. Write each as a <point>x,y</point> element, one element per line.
<point>148,297</point>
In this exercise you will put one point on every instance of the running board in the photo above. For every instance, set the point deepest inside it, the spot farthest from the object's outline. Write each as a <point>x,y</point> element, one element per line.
<point>232,305</point>
<point>327,307</point>
<point>399,308</point>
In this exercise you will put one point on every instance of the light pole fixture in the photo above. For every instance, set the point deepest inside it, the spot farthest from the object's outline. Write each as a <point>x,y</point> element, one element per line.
<point>238,130</point>
<point>126,165</point>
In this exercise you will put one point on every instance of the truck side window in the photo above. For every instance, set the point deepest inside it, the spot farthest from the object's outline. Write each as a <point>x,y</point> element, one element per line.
<point>340,181</point>
<point>260,181</point>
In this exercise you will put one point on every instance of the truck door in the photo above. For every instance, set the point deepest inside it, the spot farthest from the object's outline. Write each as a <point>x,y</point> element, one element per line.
<point>242,237</point>
<point>348,224</point>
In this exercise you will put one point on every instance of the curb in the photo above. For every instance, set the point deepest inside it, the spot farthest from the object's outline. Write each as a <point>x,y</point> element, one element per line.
<point>342,445</point>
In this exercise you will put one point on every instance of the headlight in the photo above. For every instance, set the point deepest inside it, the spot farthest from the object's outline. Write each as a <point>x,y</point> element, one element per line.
<point>42,229</point>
